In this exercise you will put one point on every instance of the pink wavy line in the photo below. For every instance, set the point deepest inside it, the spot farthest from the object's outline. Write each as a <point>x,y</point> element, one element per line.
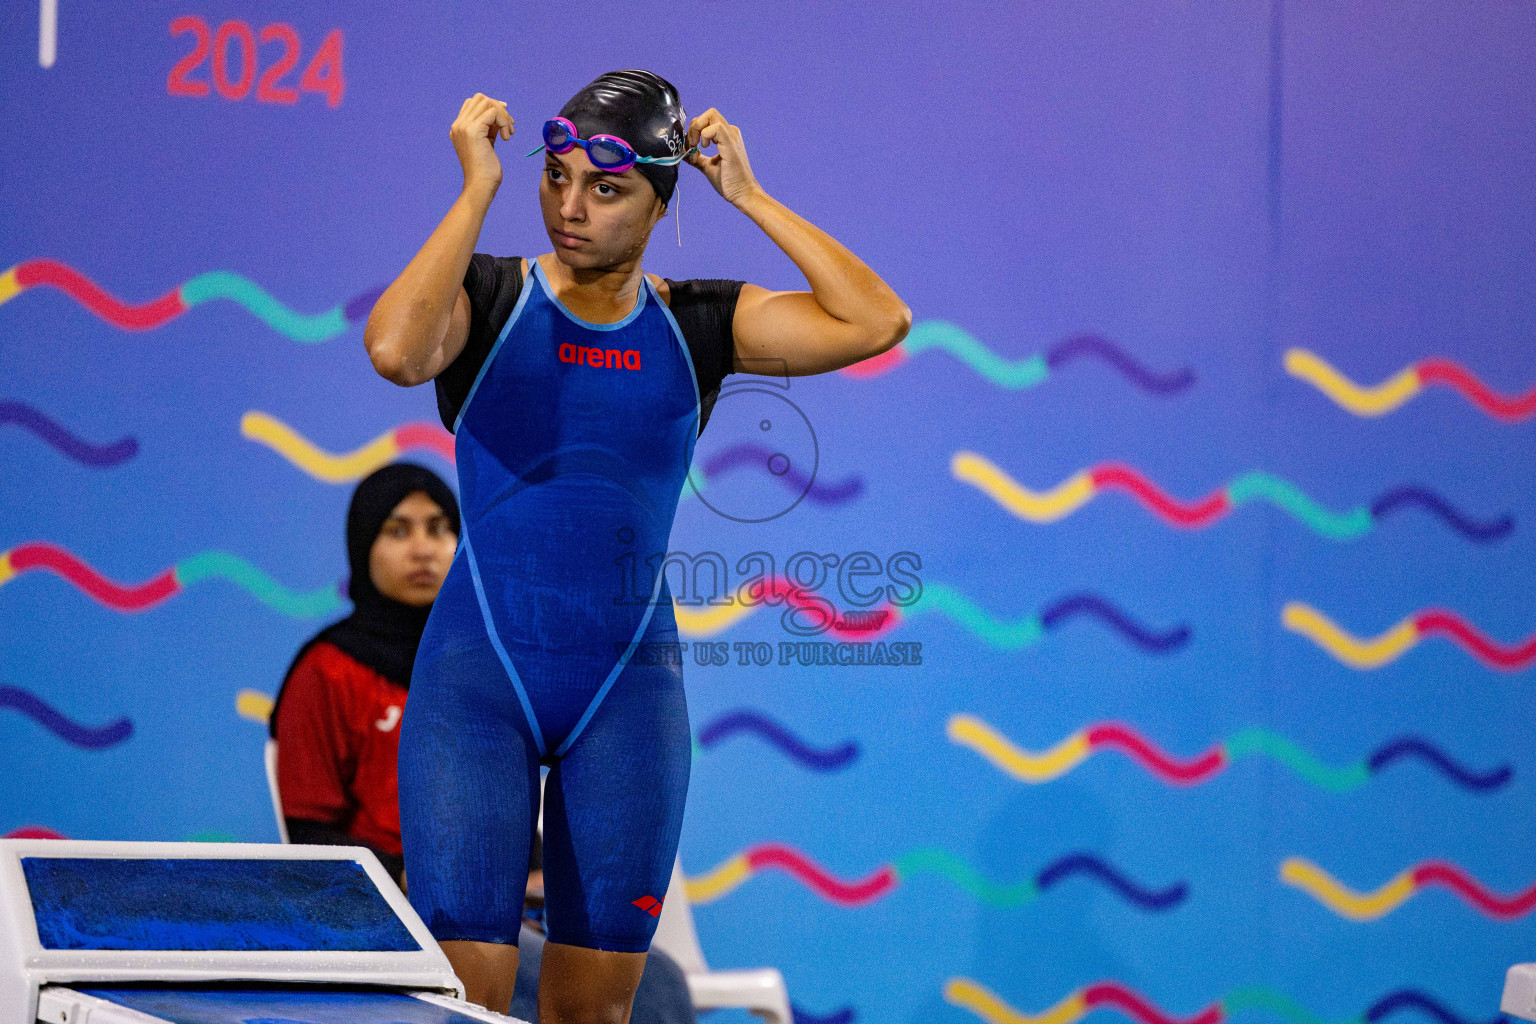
<point>1453,375</point>
<point>791,861</point>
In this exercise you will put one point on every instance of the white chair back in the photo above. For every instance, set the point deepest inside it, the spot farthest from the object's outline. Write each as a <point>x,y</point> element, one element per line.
<point>277,798</point>
<point>675,933</point>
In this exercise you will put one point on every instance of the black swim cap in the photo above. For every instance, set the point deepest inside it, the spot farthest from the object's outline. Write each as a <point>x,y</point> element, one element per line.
<point>642,109</point>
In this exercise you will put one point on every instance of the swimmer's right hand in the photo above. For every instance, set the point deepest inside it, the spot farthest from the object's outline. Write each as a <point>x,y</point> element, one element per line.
<point>474,132</point>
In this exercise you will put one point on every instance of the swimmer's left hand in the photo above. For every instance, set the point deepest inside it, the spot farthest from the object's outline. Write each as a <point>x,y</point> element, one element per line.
<point>728,170</point>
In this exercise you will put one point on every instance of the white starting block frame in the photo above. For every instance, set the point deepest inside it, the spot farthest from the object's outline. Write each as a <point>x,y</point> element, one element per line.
<point>33,976</point>
<point>1520,992</point>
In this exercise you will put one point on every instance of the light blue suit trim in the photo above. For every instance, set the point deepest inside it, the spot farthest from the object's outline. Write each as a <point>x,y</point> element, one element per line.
<point>682,343</point>
<point>623,663</point>
<point>549,291</point>
<point>501,652</point>
<point>517,309</point>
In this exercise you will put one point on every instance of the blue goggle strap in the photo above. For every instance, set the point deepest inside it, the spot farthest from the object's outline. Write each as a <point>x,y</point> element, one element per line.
<point>640,159</point>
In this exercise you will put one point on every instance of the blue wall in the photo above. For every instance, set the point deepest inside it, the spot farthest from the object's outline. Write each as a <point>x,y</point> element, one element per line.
<point>1199,186</point>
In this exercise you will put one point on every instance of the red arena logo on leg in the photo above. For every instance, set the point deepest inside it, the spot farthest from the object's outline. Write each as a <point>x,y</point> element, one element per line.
<point>609,358</point>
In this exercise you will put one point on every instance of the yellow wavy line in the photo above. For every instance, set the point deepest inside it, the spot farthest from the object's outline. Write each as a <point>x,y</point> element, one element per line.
<point>708,620</point>
<point>1340,899</point>
<point>253,705</point>
<point>970,995</point>
<point>727,876</point>
<point>6,569</point>
<point>318,462</point>
<point>1371,401</point>
<point>970,731</point>
<point>1351,650</point>
<point>1036,506</point>
<point>9,286</point>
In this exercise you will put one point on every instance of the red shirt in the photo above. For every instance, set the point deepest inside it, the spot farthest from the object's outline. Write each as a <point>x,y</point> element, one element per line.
<point>338,747</point>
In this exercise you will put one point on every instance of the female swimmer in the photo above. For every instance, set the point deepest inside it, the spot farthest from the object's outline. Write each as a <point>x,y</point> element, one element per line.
<point>576,385</point>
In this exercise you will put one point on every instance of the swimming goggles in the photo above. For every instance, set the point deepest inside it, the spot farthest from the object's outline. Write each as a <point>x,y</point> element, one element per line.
<point>607,152</point>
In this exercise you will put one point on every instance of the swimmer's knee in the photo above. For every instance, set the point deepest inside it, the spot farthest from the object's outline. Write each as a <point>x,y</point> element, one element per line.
<point>580,985</point>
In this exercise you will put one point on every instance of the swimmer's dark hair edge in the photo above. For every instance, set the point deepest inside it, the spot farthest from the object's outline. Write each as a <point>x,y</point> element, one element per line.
<point>644,110</point>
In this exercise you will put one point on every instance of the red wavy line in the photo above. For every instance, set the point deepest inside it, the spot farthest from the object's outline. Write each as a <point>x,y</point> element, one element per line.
<point>816,605</point>
<point>1201,512</point>
<point>33,832</point>
<point>1489,652</point>
<point>39,555</point>
<point>1112,993</point>
<point>1453,375</point>
<point>786,858</point>
<point>874,366</point>
<point>84,291</point>
<point>1451,876</point>
<point>425,435</point>
<point>1187,773</point>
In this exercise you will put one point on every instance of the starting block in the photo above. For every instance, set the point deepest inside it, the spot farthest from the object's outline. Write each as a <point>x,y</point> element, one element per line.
<point>215,933</point>
<point>1519,999</point>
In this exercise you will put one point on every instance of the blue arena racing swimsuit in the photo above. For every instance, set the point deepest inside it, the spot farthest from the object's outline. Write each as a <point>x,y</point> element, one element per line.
<point>572,449</point>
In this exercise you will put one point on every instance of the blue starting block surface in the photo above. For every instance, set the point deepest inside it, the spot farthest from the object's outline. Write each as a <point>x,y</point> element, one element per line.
<point>278,1006</point>
<point>98,903</point>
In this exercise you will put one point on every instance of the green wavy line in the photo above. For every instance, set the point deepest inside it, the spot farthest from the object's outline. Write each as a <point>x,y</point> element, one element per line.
<point>223,565</point>
<point>1010,636</point>
<point>1259,998</point>
<point>693,483</point>
<point>1025,373</point>
<point>1261,741</point>
<point>221,284</point>
<point>942,862</point>
<point>1286,495</point>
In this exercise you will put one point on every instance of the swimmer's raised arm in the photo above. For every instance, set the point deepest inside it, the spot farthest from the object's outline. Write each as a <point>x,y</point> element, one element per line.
<point>421,322</point>
<point>848,315</point>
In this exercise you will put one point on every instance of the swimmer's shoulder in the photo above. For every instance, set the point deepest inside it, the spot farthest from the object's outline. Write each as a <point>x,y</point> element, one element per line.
<point>662,287</point>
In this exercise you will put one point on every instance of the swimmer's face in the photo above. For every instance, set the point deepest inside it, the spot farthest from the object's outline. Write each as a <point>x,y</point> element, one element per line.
<point>411,554</point>
<point>596,219</point>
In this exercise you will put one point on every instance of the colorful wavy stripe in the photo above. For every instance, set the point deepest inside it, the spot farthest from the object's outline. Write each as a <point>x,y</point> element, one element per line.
<point>186,573</point>
<point>42,832</point>
<point>744,721</point>
<point>56,436</point>
<point>971,995</point>
<point>344,467</point>
<point>1369,906</point>
<point>33,832</point>
<point>67,729</point>
<point>732,872</point>
<point>1008,635</point>
<point>1392,393</point>
<point>1384,648</point>
<point>1076,491</point>
<point>1018,375</point>
<point>253,706</point>
<point>217,284</point>
<point>1045,766</point>
<point>755,456</point>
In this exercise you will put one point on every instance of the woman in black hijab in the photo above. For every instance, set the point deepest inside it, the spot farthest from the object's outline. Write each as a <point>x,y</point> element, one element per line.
<point>336,717</point>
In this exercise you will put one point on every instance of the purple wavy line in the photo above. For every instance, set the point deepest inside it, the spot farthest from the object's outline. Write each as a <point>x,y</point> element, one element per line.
<point>29,704</point>
<point>1093,604</point>
<point>54,435</point>
<point>1413,746</point>
<point>1084,345</point>
<point>1408,494</point>
<point>360,306</point>
<point>1088,864</point>
<point>844,1015</point>
<point>1413,999</point>
<point>756,456</point>
<point>776,734</point>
